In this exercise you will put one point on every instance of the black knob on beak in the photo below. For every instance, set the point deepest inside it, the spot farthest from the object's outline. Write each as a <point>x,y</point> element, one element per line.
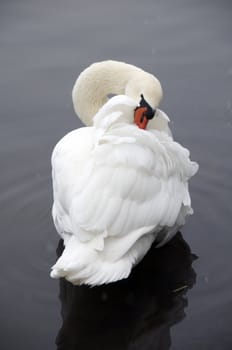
<point>150,112</point>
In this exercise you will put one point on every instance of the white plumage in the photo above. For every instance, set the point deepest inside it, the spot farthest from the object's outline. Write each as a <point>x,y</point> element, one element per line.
<point>116,187</point>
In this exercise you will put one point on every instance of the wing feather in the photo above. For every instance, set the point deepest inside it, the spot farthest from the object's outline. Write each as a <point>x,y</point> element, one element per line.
<point>118,188</point>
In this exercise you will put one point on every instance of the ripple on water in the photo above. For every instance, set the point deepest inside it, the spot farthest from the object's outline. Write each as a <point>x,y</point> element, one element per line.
<point>29,250</point>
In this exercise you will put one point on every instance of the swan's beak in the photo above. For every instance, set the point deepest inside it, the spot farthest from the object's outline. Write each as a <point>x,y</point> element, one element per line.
<point>143,113</point>
<point>142,116</point>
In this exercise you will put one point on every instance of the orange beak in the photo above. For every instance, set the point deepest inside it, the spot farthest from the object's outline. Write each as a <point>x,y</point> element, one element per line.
<point>140,118</point>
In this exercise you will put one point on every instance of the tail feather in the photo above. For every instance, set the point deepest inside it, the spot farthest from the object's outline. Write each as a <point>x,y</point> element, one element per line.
<point>81,264</point>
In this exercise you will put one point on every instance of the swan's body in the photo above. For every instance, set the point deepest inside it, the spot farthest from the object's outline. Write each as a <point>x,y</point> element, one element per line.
<point>117,187</point>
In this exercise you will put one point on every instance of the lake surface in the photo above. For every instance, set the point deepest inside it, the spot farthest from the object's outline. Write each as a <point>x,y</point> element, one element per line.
<point>173,300</point>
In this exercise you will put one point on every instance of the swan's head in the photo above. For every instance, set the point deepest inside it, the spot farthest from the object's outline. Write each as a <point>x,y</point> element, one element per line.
<point>146,90</point>
<point>96,82</point>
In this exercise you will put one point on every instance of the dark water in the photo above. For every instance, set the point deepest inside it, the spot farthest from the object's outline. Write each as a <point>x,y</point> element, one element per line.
<point>44,45</point>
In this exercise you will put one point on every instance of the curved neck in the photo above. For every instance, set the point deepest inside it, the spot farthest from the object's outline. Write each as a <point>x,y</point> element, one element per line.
<point>95,83</point>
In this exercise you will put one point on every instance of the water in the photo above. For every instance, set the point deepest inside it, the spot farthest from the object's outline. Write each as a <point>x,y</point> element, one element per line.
<point>44,45</point>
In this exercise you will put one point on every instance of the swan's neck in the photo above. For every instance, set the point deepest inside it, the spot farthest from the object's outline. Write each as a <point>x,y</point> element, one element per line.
<point>95,83</point>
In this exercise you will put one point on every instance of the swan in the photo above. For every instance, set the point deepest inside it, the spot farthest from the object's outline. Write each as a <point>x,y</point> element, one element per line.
<point>119,183</point>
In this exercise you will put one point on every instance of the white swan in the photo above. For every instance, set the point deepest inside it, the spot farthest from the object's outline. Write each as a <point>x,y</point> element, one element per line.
<point>121,182</point>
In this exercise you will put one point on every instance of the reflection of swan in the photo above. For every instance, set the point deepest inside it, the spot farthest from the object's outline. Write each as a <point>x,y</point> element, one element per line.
<point>136,313</point>
<point>120,183</point>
